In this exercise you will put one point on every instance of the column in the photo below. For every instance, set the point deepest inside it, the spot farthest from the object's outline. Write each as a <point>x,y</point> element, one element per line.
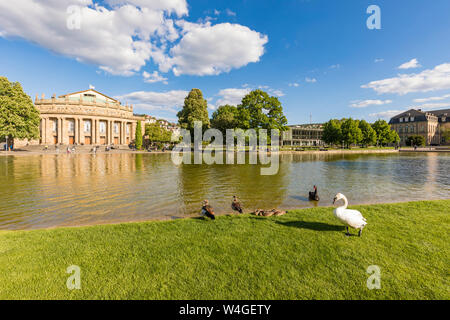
<point>81,131</point>
<point>109,132</point>
<point>59,130</point>
<point>77,130</point>
<point>63,131</point>
<point>97,131</point>
<point>122,131</point>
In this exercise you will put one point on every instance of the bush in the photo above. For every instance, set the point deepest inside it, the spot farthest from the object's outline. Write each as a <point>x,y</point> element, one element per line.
<point>415,141</point>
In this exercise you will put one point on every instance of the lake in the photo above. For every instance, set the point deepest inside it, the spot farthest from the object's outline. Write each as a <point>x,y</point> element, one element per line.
<point>80,189</point>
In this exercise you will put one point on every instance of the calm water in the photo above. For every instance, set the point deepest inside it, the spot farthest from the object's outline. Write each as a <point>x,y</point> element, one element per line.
<point>60,190</point>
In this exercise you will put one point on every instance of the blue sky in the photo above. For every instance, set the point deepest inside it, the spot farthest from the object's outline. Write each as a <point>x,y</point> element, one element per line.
<point>315,55</point>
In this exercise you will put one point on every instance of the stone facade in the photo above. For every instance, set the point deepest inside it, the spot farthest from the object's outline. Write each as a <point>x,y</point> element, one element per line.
<point>429,125</point>
<point>303,135</point>
<point>86,118</point>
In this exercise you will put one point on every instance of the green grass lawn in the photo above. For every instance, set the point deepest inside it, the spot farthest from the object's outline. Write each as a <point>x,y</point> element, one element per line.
<point>302,255</point>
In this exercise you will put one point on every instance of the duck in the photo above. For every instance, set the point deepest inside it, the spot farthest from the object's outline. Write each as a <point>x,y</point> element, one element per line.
<point>313,195</point>
<point>269,213</point>
<point>350,218</point>
<point>207,210</point>
<point>236,205</point>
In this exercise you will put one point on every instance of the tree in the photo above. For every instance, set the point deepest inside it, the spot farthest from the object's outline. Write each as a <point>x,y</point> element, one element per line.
<point>156,133</point>
<point>19,118</point>
<point>332,133</point>
<point>383,130</point>
<point>415,140</point>
<point>138,141</point>
<point>369,136</point>
<point>258,110</point>
<point>395,138</point>
<point>225,117</point>
<point>446,135</point>
<point>351,133</point>
<point>195,109</point>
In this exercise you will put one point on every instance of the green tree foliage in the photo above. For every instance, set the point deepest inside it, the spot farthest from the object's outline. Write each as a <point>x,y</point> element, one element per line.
<point>258,110</point>
<point>19,118</point>
<point>195,109</point>
<point>332,133</point>
<point>383,130</point>
<point>446,135</point>
<point>351,133</point>
<point>156,133</point>
<point>369,136</point>
<point>395,138</point>
<point>138,141</point>
<point>225,117</point>
<point>415,140</point>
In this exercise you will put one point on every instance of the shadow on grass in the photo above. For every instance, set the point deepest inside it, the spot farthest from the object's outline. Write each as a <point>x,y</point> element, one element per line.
<point>316,226</point>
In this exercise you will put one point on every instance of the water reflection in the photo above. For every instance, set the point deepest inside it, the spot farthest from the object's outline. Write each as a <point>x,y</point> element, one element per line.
<point>58,190</point>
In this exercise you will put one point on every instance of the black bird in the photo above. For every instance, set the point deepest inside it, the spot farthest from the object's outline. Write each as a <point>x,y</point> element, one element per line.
<point>313,195</point>
<point>207,210</point>
<point>236,205</point>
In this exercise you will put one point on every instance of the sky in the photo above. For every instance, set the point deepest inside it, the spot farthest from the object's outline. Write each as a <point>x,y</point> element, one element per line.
<point>319,57</point>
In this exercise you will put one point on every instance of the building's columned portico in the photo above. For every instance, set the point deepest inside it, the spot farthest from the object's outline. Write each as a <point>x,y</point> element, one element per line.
<point>86,118</point>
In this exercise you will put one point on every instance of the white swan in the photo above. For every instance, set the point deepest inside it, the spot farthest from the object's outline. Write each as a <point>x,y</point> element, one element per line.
<point>351,218</point>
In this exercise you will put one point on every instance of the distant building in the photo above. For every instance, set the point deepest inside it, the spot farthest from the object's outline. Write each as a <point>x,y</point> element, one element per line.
<point>85,118</point>
<point>428,124</point>
<point>303,135</point>
<point>172,127</point>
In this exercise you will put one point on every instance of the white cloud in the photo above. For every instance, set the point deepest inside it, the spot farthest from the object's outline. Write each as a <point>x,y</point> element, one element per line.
<point>311,80</point>
<point>427,80</point>
<point>378,60</point>
<point>122,36</point>
<point>211,50</point>
<point>386,114</point>
<point>169,101</point>
<point>231,96</point>
<point>412,64</point>
<point>172,6</point>
<point>424,107</point>
<point>422,100</point>
<point>154,77</point>
<point>118,40</point>
<point>230,13</point>
<point>366,103</point>
<point>335,66</point>
<point>276,92</point>
<point>295,84</point>
<point>432,106</point>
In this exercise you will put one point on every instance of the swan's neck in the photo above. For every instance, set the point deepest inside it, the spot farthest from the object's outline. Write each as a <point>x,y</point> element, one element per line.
<point>345,203</point>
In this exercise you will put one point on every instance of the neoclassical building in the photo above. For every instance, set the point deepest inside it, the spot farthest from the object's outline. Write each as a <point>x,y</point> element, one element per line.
<point>86,118</point>
<point>428,124</point>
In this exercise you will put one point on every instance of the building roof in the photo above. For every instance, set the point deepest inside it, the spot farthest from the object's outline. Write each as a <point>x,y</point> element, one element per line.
<point>443,115</point>
<point>69,94</point>
<point>307,126</point>
<point>418,115</point>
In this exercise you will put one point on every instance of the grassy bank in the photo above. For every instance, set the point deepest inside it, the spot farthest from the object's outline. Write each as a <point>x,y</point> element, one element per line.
<point>302,255</point>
